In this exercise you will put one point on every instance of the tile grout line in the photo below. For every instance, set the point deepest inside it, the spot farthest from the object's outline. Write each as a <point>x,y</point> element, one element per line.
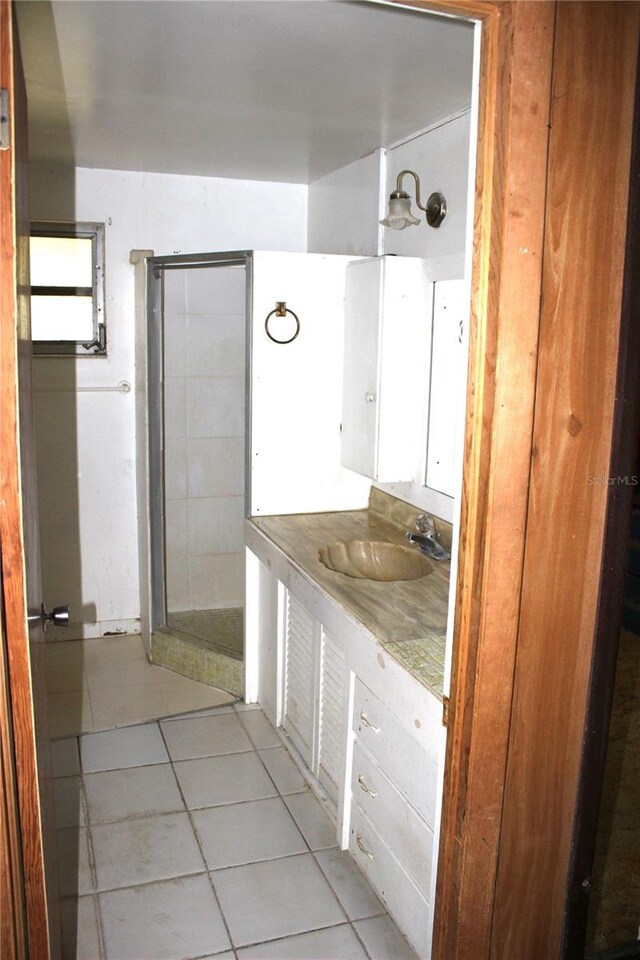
<point>92,858</point>
<point>197,839</point>
<point>225,710</point>
<point>270,859</point>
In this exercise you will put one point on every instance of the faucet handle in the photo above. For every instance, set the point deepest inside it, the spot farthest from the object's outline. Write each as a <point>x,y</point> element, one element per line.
<point>426,524</point>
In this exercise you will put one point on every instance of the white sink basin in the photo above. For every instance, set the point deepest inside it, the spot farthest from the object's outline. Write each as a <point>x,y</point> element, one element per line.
<point>375,560</point>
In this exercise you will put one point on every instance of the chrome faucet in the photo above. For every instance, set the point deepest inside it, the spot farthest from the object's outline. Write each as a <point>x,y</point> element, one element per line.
<point>428,539</point>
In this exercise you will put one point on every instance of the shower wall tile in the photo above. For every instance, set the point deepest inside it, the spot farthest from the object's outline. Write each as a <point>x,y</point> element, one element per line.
<point>175,345</point>
<point>175,474</point>
<point>215,407</point>
<point>204,415</point>
<point>176,528</point>
<point>215,525</point>
<point>175,408</point>
<point>216,581</point>
<point>177,577</point>
<point>215,467</point>
<point>225,296</point>
<point>175,291</point>
<point>215,346</point>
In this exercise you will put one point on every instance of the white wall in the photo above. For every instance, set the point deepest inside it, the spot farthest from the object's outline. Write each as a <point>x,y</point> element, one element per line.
<point>86,445</point>
<point>296,389</point>
<point>440,157</point>
<point>204,401</point>
<point>344,209</point>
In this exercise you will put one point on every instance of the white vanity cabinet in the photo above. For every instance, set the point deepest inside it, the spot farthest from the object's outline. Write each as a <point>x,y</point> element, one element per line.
<point>388,307</point>
<point>448,384</point>
<point>367,735</point>
<point>314,692</point>
<point>393,811</point>
<point>378,781</point>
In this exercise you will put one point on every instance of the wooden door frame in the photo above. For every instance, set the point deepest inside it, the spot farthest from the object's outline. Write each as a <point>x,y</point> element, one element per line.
<point>20,794</point>
<point>502,895</point>
<point>624,463</point>
<point>486,762</point>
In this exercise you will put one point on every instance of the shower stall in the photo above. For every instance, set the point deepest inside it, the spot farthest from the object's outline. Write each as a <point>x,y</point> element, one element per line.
<point>239,410</point>
<point>196,309</point>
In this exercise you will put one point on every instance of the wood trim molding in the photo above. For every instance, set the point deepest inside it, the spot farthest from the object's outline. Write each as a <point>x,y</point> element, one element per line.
<point>14,574</point>
<point>624,463</point>
<point>595,56</point>
<point>506,284</point>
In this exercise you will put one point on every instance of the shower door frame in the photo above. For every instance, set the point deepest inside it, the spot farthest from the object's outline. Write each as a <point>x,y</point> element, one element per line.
<point>155,439</point>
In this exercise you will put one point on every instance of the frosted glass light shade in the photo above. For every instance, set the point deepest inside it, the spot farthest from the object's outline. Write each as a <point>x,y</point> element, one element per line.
<point>399,215</point>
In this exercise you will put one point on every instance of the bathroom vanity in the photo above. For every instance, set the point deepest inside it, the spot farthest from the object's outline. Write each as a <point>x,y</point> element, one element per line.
<point>351,672</point>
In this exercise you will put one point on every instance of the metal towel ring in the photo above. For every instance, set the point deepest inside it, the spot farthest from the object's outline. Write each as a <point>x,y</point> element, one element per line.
<point>281,310</point>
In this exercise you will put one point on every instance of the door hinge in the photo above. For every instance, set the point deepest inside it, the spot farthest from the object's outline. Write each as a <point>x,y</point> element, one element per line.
<point>445,711</point>
<point>5,129</point>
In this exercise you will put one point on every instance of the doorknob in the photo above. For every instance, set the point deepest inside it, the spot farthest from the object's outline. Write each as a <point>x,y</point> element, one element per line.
<point>59,616</point>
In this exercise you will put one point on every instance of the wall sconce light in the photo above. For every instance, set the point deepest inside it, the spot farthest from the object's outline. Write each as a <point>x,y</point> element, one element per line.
<point>400,215</point>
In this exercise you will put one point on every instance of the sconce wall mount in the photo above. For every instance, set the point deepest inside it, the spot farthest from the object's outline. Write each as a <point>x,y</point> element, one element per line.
<point>400,215</point>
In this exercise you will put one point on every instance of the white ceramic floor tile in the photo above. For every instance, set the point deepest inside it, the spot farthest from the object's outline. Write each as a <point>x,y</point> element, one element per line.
<point>350,886</point>
<point>103,672</point>
<point>115,648</point>
<point>163,921</point>
<point>142,851</point>
<point>283,771</point>
<point>69,713</point>
<point>242,707</point>
<point>246,832</point>
<point>332,943</point>
<point>315,825</point>
<point>69,651</point>
<point>259,729</point>
<point>383,940</point>
<point>132,792</point>
<point>210,781</point>
<point>131,747</point>
<point>183,696</point>
<point>275,898</point>
<point>207,712</point>
<point>64,675</point>
<point>65,758</point>
<point>119,706</point>
<point>68,802</point>
<point>74,870</point>
<point>80,929</point>
<point>205,737</point>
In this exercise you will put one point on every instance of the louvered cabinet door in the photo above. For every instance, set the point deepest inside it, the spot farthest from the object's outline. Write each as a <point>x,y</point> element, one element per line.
<point>302,637</point>
<point>332,728</point>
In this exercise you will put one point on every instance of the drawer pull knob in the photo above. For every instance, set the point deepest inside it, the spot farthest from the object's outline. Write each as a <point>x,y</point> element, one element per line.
<point>362,847</point>
<point>367,722</point>
<point>365,786</point>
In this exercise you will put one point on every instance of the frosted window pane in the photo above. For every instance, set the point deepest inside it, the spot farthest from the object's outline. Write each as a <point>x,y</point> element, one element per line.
<point>61,262</point>
<point>62,318</point>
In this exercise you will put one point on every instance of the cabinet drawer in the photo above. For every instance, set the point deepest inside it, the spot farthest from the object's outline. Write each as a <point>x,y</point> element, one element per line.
<point>393,817</point>
<point>409,908</point>
<point>410,766</point>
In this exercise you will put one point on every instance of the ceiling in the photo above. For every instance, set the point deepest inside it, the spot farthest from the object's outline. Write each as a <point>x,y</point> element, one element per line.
<point>284,90</point>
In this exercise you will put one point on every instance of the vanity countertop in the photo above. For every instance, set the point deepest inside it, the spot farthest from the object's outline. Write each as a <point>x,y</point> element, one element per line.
<point>407,617</point>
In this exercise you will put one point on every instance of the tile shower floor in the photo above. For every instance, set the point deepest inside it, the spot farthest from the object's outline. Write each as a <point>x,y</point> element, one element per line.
<point>195,837</point>
<point>221,630</point>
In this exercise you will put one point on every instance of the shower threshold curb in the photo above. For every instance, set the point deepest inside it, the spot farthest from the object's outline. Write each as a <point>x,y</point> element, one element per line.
<point>194,659</point>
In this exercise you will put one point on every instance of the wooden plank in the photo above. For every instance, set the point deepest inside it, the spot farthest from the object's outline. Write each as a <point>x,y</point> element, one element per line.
<point>18,506</point>
<point>624,463</point>
<point>13,929</point>
<point>509,218</point>
<point>596,46</point>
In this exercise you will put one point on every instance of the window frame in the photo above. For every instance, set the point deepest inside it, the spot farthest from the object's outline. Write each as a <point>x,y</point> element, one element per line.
<point>97,347</point>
